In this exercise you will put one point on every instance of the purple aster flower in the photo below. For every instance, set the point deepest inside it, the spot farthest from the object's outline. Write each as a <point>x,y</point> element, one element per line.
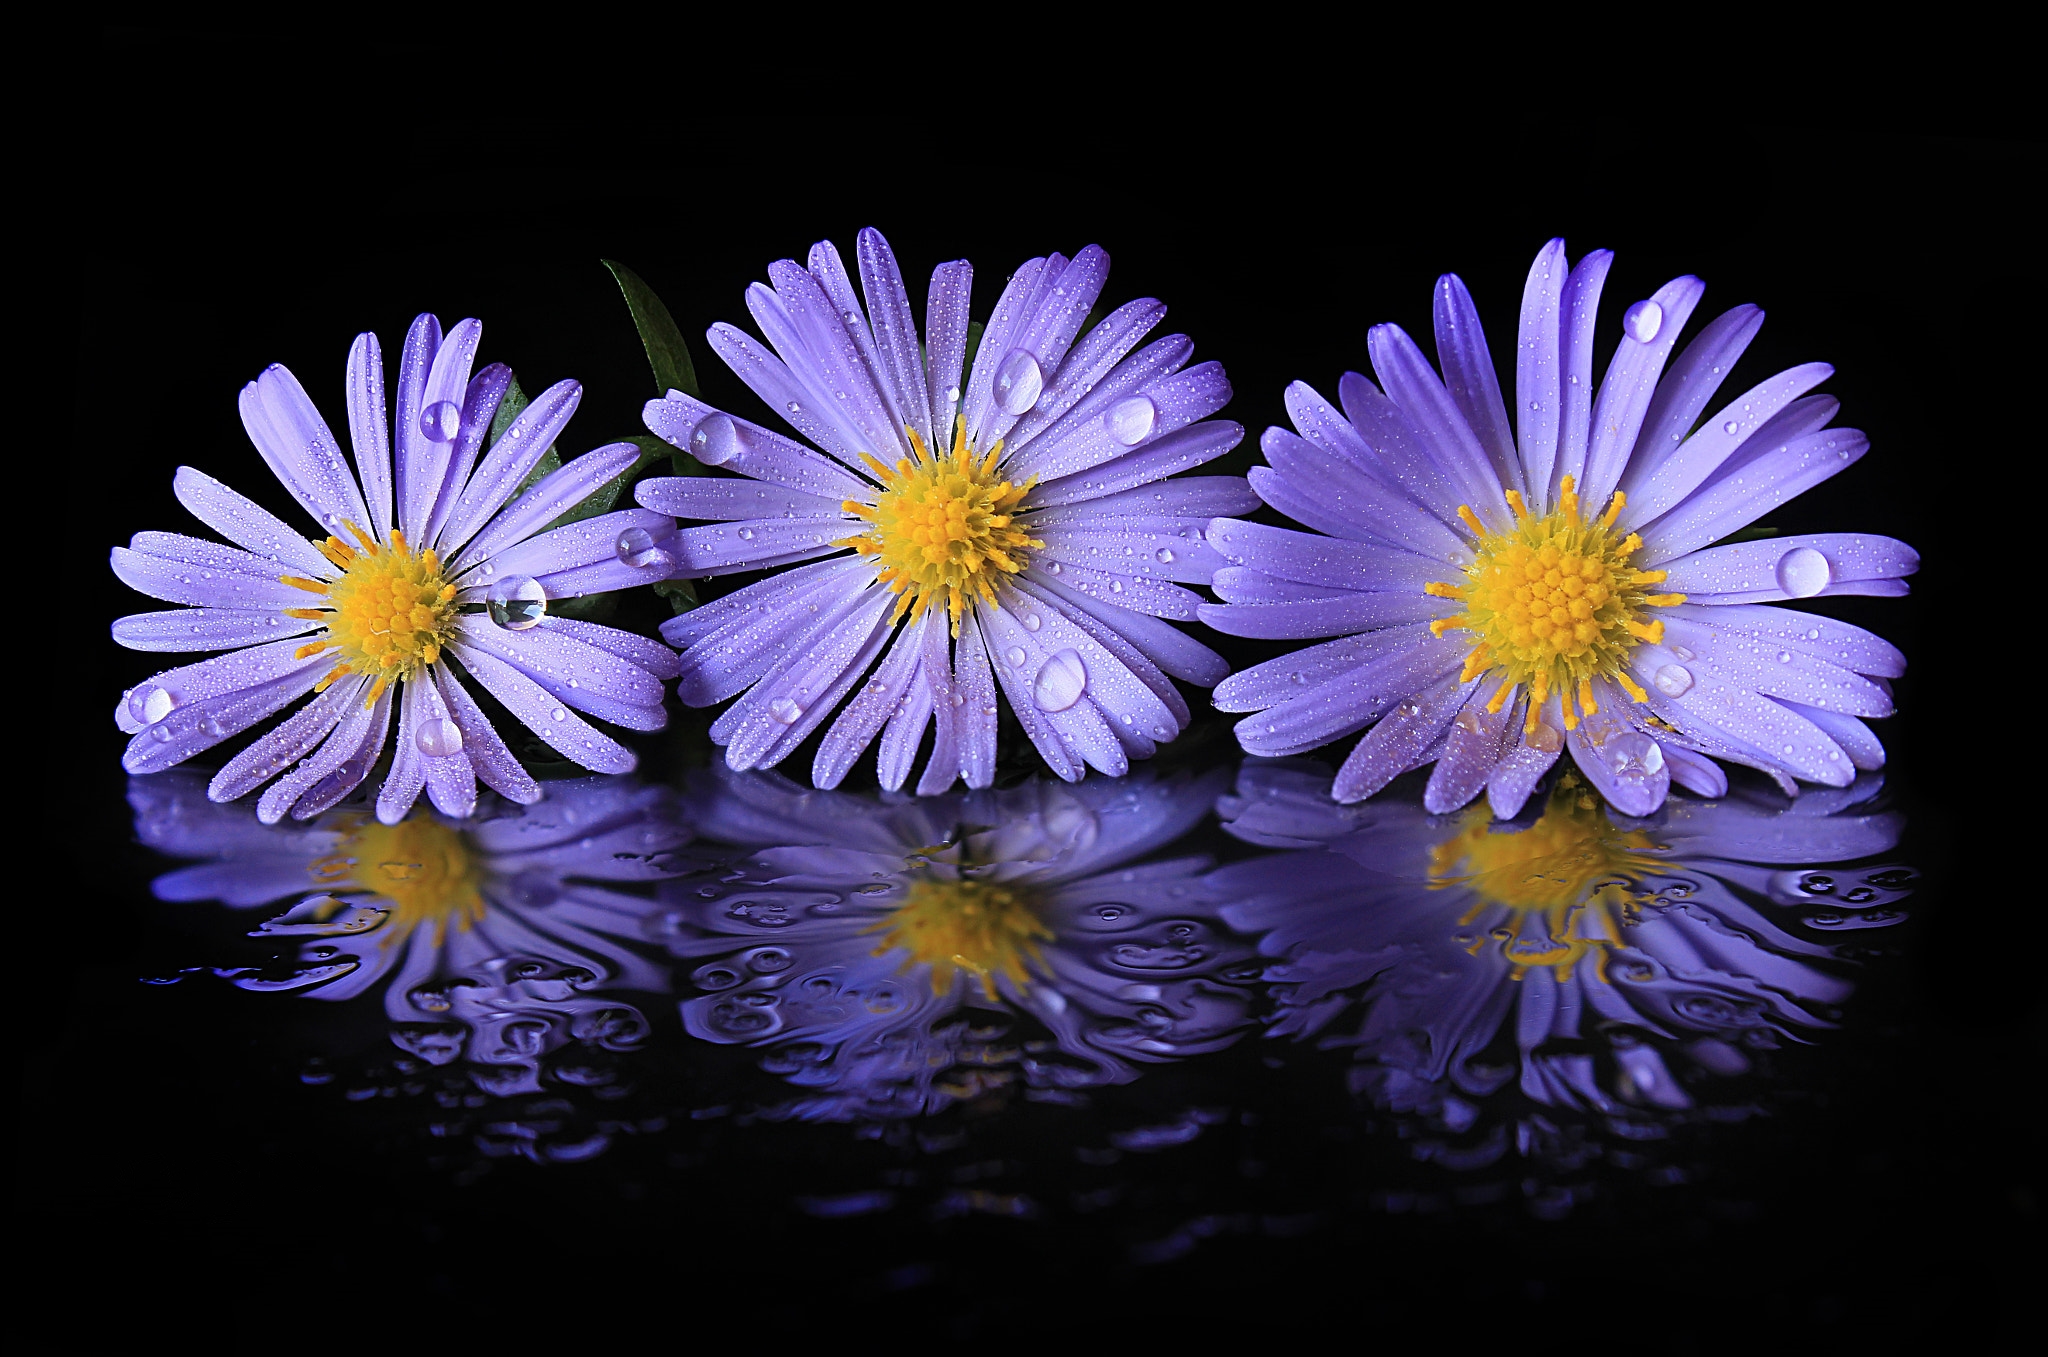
<point>426,572</point>
<point>880,949</point>
<point>1586,957</point>
<point>1016,529</point>
<point>493,938</point>
<point>1506,588</point>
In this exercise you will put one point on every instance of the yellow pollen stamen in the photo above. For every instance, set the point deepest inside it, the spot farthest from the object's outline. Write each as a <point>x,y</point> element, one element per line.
<point>985,929</point>
<point>942,529</point>
<point>391,613</point>
<point>420,865</point>
<point>1635,690</point>
<point>1553,603</point>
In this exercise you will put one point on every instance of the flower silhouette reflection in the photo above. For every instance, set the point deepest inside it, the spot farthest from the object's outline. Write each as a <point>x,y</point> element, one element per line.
<point>1607,965</point>
<point>493,939</point>
<point>881,949</point>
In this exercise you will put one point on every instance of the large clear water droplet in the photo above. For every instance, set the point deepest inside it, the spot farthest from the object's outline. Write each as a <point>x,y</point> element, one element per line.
<point>1672,680</point>
<point>1643,321</point>
<point>517,602</point>
<point>1032,622</point>
<point>785,711</point>
<point>1016,657</point>
<point>1061,681</point>
<point>715,441</point>
<point>438,737</point>
<point>1019,382</point>
<point>441,421</point>
<point>1545,739</point>
<point>638,548</point>
<point>1634,754</point>
<point>150,704</point>
<point>1803,572</point>
<point>1131,420</point>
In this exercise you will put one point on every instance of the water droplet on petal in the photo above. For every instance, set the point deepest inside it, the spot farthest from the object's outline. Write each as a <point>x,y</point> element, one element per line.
<point>1130,420</point>
<point>150,704</point>
<point>438,737</point>
<point>952,395</point>
<point>1019,382</point>
<point>559,714</point>
<point>1672,680</point>
<point>1032,621</point>
<point>441,421</point>
<point>1544,739</point>
<point>517,602</point>
<point>1730,427</point>
<point>1060,682</point>
<point>715,441</point>
<point>1016,657</point>
<point>785,711</point>
<point>1643,321</point>
<point>1682,653</point>
<point>636,547</point>
<point>1803,572</point>
<point>1633,754</point>
<point>1469,722</point>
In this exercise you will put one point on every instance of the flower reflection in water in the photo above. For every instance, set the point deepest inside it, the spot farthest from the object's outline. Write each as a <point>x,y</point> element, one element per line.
<point>881,948</point>
<point>493,939</point>
<point>1612,968</point>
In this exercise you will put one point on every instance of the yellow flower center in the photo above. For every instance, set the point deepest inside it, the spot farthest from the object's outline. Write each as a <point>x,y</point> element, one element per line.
<point>389,615</point>
<point>1554,604</point>
<point>420,865</point>
<point>986,930</point>
<point>1564,880</point>
<point>941,528</point>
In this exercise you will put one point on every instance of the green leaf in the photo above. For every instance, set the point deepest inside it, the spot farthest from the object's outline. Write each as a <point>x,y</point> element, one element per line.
<point>681,594</point>
<point>508,410</point>
<point>1754,533</point>
<point>667,354</point>
<point>586,607</point>
<point>973,346</point>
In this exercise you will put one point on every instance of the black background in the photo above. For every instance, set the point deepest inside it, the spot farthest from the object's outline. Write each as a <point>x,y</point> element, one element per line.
<point>167,1149</point>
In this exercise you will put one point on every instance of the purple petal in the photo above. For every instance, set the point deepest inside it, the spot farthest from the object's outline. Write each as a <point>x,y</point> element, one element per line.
<point>1049,333</point>
<point>1242,584</point>
<point>1174,651</point>
<point>1085,440</point>
<point>557,493</point>
<point>1350,700</point>
<point>1739,500</point>
<point>771,379</point>
<point>1539,372</point>
<point>564,731</point>
<point>788,591</point>
<point>935,672</point>
<point>945,331</point>
<point>225,675</point>
<point>758,453</point>
<point>1696,773</point>
<point>899,361</point>
<point>976,713</point>
<point>799,684</point>
<point>1576,331</point>
<point>1332,563</point>
<point>1159,548</point>
<point>1522,765</point>
<point>425,459</point>
<point>1688,385</point>
<point>1626,765</point>
<point>1766,732</point>
<point>204,556</point>
<point>897,753</point>
<point>342,739</point>
<point>409,440</point>
<point>862,718</point>
<point>734,659</point>
<point>1477,739</point>
<point>568,667</point>
<point>408,775</point>
<point>1822,637</point>
<point>1076,731</point>
<point>1468,374</point>
<point>1197,497</point>
<point>368,434</point>
<point>294,440</point>
<point>480,404</point>
<point>1857,740</point>
<point>1411,384</point>
<point>511,459</point>
<point>1149,596</point>
<point>481,744</point>
<point>589,541</point>
<point>1301,671</point>
<point>349,773</point>
<point>1323,617</point>
<point>1685,470</point>
<point>727,499</point>
<point>1087,365</point>
<point>1402,454</point>
<point>652,656</point>
<point>1401,740</point>
<point>247,524</point>
<point>1102,628</point>
<point>1629,387</point>
<point>291,740</point>
<point>724,548</point>
<point>1329,493</point>
<point>997,338</point>
<point>812,338</point>
<point>1124,699</point>
<point>1752,572</point>
<point>1749,662</point>
<point>177,583</point>
<point>1147,465</point>
<point>205,629</point>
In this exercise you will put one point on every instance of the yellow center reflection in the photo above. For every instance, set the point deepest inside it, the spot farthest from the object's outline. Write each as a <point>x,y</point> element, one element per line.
<point>423,867</point>
<point>984,929</point>
<point>1564,880</point>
